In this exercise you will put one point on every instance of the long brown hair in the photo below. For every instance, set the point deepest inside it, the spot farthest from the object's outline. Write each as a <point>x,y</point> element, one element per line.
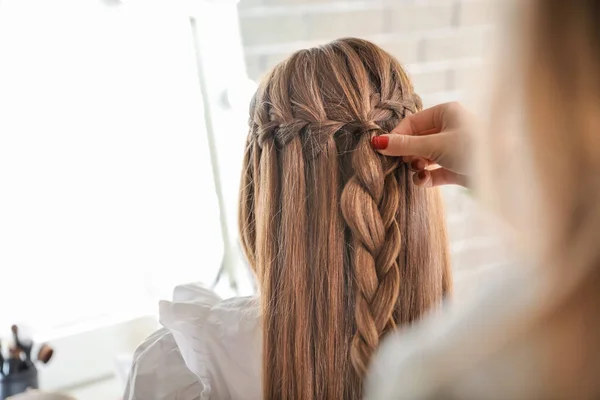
<point>343,245</point>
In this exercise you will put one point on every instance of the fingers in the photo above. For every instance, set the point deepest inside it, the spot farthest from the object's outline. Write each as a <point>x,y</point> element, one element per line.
<point>438,177</point>
<point>417,164</point>
<point>406,145</point>
<point>426,122</point>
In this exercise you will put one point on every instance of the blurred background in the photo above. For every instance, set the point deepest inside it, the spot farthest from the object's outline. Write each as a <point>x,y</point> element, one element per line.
<point>122,125</point>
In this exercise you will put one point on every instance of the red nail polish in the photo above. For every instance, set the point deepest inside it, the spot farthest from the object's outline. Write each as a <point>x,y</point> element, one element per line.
<point>380,142</point>
<point>422,175</point>
<point>416,165</point>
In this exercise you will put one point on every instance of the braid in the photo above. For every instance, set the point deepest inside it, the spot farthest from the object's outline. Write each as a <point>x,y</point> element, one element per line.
<point>386,110</point>
<point>283,129</point>
<point>369,203</point>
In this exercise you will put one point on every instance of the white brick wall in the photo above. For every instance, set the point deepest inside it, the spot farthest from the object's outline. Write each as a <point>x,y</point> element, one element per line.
<point>441,42</point>
<point>441,34</point>
<point>431,15</point>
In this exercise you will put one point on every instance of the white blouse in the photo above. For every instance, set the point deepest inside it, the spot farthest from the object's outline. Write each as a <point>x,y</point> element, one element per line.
<point>209,348</point>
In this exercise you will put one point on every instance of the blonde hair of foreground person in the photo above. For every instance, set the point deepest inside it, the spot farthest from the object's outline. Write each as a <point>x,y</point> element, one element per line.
<point>537,338</point>
<point>344,247</point>
<point>562,105</point>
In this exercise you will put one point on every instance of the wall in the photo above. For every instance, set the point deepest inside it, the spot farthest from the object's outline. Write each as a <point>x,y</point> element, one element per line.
<point>441,41</point>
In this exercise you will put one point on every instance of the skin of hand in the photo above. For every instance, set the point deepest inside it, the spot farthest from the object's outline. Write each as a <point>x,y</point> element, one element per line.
<point>435,142</point>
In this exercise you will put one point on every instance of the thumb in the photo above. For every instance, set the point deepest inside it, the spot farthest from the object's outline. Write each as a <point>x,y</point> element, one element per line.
<point>406,145</point>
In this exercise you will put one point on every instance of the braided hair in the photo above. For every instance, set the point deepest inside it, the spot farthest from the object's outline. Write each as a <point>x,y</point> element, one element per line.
<point>344,247</point>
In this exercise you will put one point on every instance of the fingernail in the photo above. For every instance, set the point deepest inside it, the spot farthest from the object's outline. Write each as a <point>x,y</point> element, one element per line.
<point>380,142</point>
<point>422,175</point>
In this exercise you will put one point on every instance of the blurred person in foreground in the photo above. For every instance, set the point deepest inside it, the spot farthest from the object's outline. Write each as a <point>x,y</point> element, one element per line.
<point>534,332</point>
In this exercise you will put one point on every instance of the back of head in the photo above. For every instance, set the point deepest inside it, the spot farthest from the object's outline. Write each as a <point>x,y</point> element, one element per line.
<point>344,246</point>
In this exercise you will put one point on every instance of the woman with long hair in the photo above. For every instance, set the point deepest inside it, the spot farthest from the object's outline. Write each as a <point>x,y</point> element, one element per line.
<point>534,332</point>
<point>345,248</point>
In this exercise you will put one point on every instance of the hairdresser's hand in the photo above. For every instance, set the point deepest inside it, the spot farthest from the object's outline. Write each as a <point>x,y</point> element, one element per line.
<point>435,142</point>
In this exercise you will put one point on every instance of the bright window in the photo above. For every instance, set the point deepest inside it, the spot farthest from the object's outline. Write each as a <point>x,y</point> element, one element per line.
<point>107,197</point>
